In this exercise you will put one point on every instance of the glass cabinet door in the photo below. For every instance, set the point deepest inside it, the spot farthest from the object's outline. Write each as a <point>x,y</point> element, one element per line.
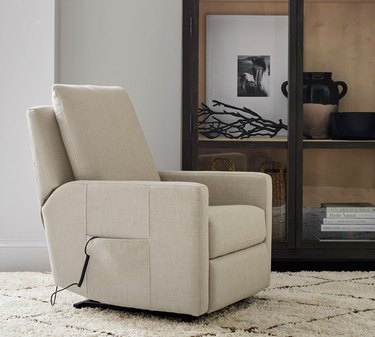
<point>242,114</point>
<point>338,123</point>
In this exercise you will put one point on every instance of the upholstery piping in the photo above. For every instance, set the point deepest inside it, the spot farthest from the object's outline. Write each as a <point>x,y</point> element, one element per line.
<point>200,246</point>
<point>149,244</point>
<point>86,188</point>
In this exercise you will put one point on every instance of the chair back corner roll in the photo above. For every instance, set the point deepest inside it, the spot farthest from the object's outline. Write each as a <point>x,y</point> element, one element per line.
<point>51,163</point>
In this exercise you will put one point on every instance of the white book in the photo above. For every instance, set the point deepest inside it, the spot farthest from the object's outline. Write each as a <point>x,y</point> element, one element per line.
<point>348,221</point>
<point>351,215</point>
<point>348,228</point>
<point>350,209</point>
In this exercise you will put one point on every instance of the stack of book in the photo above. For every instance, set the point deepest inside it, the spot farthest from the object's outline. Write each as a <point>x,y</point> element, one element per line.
<point>349,217</point>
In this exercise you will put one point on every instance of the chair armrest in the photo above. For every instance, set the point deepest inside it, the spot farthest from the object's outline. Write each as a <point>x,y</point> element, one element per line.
<point>229,188</point>
<point>173,216</point>
<point>232,188</point>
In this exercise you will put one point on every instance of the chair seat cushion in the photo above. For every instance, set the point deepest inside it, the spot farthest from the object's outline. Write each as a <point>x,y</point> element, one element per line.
<point>235,227</point>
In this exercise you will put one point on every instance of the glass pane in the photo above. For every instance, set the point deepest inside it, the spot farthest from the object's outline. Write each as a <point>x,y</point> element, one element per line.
<point>339,70</point>
<point>270,161</point>
<point>339,121</point>
<point>243,62</point>
<point>338,185</point>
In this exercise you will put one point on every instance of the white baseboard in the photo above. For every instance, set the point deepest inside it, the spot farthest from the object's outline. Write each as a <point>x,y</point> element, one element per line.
<point>24,255</point>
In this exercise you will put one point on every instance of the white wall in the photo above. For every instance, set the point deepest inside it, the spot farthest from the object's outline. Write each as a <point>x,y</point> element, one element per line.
<point>26,75</point>
<point>136,44</point>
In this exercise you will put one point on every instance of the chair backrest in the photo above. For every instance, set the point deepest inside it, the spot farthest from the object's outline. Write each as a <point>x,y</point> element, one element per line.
<point>101,133</point>
<point>90,133</point>
<point>51,163</point>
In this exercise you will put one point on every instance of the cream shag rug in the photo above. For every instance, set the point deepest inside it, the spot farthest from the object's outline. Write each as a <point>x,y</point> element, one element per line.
<point>296,304</point>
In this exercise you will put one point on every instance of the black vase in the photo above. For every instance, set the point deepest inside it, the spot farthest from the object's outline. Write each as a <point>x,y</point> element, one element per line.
<point>321,97</point>
<point>319,88</point>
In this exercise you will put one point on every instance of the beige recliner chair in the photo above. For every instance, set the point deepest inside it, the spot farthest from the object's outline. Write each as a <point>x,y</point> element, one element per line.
<point>181,242</point>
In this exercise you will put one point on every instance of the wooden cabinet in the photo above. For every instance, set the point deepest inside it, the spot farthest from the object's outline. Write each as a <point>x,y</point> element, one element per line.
<point>323,36</point>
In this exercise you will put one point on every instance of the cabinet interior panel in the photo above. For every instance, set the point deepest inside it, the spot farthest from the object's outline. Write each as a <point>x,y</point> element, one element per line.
<point>253,158</point>
<point>338,176</point>
<point>246,7</point>
<point>313,196</point>
<point>339,37</point>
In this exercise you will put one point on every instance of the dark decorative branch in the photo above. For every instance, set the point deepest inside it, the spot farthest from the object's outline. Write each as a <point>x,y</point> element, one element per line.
<point>246,123</point>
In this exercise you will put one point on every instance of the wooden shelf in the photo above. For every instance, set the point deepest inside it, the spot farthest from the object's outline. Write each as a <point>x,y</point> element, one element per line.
<point>255,142</point>
<point>338,144</point>
<point>282,143</point>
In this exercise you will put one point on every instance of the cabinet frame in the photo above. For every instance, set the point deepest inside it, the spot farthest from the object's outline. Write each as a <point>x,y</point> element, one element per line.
<point>295,249</point>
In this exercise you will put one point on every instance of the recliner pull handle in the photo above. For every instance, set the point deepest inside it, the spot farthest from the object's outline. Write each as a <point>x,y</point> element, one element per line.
<point>84,270</point>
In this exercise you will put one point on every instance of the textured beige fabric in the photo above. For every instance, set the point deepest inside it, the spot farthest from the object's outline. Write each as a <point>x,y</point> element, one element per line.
<point>65,224</point>
<point>234,188</point>
<point>175,228</point>
<point>229,188</point>
<point>101,133</point>
<point>51,163</point>
<point>179,248</point>
<point>236,276</point>
<point>118,210</point>
<point>119,272</point>
<point>235,227</point>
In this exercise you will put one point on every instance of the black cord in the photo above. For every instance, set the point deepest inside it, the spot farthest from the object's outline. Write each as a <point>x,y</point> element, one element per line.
<point>54,294</point>
<point>83,273</point>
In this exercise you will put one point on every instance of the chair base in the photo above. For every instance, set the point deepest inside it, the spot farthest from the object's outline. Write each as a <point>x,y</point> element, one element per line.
<point>90,304</point>
<point>96,304</point>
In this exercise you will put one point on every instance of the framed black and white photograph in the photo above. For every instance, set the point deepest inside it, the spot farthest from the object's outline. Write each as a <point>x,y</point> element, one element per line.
<point>247,62</point>
<point>253,75</point>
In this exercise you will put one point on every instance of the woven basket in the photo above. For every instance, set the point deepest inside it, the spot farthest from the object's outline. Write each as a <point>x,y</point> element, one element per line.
<point>222,164</point>
<point>277,172</point>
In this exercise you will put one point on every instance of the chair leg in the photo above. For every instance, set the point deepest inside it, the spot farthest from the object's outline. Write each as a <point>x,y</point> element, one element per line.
<point>88,304</point>
<point>96,304</point>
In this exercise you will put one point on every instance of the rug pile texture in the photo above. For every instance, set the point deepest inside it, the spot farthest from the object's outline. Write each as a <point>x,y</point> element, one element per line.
<point>295,305</point>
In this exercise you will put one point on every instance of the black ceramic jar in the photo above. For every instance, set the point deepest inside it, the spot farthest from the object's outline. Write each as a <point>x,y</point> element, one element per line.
<point>319,88</point>
<point>321,97</point>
